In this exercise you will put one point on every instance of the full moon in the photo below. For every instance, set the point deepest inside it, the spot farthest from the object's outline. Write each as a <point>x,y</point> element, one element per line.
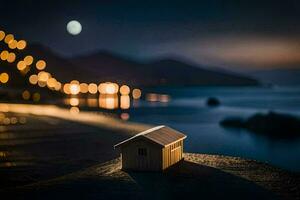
<point>74,27</point>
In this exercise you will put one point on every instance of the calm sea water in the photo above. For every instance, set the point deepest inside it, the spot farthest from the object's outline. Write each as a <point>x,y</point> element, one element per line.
<point>187,112</point>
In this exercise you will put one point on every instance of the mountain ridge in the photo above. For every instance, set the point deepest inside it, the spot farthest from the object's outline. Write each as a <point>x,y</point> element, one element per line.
<point>162,72</point>
<point>102,66</point>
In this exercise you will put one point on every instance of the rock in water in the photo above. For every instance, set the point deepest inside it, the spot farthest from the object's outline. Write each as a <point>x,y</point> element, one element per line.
<point>271,124</point>
<point>212,101</point>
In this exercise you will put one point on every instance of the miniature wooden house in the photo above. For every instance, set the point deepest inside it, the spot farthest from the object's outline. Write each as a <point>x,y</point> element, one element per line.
<point>152,150</point>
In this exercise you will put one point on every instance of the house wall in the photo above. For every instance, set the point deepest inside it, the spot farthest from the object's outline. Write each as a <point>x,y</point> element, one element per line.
<point>132,161</point>
<point>172,154</point>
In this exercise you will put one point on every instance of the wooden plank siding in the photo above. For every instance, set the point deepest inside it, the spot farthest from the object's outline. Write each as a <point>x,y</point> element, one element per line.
<point>171,154</point>
<point>157,158</point>
<point>132,161</point>
<point>154,149</point>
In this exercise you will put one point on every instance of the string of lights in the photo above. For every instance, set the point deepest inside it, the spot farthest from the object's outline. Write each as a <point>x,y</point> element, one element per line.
<point>44,78</point>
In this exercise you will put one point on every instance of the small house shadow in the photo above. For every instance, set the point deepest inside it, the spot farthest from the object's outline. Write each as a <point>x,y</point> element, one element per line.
<point>192,180</point>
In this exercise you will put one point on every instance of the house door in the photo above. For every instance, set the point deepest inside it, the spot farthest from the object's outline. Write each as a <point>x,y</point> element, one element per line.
<point>142,159</point>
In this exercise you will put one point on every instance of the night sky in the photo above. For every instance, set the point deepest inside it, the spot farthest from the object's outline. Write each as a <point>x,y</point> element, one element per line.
<point>232,34</point>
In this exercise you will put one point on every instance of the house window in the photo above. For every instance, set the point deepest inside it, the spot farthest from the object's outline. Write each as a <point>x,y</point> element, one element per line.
<point>142,151</point>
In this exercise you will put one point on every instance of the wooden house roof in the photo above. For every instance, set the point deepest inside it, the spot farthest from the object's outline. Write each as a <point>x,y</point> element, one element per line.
<point>161,135</point>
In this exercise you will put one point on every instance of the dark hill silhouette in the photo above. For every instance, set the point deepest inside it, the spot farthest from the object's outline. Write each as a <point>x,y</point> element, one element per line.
<point>106,66</point>
<point>178,73</point>
<point>111,67</point>
<point>62,68</point>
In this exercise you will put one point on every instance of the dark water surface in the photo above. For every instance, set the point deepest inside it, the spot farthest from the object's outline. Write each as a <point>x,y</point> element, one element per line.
<point>187,112</point>
<point>47,147</point>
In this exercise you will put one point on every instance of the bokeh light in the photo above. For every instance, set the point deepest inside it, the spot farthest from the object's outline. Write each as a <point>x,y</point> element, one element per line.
<point>9,38</point>
<point>74,110</point>
<point>11,57</point>
<point>33,79</point>
<point>51,82</point>
<point>116,87</point>
<point>66,88</point>
<point>28,60</point>
<point>4,55</point>
<point>74,88</point>
<point>21,44</point>
<point>92,102</point>
<point>136,93</point>
<point>84,87</point>
<point>6,121</point>
<point>12,44</point>
<point>43,76</point>
<point>4,77</point>
<point>164,98</point>
<point>108,88</point>
<point>102,88</point>
<point>108,101</point>
<point>40,65</point>
<point>75,82</point>
<point>124,102</point>
<point>26,95</point>
<point>13,120</point>
<point>42,83</point>
<point>22,120</point>
<point>36,97</point>
<point>21,65</point>
<point>93,88</point>
<point>74,101</point>
<point>57,86</point>
<point>152,97</point>
<point>2,35</point>
<point>124,116</point>
<point>124,90</point>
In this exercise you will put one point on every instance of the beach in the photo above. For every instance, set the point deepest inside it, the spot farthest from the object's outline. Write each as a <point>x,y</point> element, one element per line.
<point>46,147</point>
<point>73,156</point>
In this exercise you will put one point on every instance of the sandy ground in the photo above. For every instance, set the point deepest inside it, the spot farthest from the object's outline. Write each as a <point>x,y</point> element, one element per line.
<point>46,147</point>
<point>280,182</point>
<point>51,157</point>
<point>198,176</point>
<point>89,118</point>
